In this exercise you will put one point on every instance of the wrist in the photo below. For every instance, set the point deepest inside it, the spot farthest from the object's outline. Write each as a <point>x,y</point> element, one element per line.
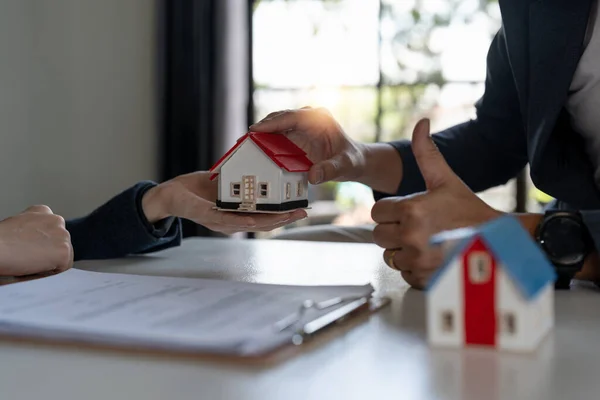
<point>154,204</point>
<point>383,167</point>
<point>530,222</point>
<point>591,269</point>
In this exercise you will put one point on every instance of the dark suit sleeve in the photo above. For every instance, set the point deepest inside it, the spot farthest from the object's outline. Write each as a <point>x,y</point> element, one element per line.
<point>487,151</point>
<point>119,228</point>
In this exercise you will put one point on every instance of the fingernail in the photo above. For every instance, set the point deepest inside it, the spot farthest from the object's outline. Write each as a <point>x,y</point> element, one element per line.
<point>319,178</point>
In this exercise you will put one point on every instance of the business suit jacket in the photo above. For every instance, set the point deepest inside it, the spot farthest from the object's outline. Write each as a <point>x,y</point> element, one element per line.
<point>119,228</point>
<point>521,117</point>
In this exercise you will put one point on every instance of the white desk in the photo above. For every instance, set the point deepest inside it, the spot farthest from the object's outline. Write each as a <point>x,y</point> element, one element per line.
<point>385,358</point>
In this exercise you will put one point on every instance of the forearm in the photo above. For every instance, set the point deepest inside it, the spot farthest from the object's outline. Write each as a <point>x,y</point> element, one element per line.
<point>119,228</point>
<point>383,169</point>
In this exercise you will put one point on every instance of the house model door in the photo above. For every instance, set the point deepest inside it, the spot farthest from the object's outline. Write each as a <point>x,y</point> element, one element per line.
<point>248,192</point>
<point>479,275</point>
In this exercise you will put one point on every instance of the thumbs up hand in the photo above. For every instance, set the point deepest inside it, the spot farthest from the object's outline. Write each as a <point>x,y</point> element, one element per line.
<point>406,224</point>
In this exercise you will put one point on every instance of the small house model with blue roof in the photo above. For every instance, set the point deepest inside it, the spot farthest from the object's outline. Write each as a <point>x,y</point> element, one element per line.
<point>495,288</point>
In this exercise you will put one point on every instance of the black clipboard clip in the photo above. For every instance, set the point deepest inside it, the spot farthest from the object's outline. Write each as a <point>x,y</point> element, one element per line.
<point>318,324</point>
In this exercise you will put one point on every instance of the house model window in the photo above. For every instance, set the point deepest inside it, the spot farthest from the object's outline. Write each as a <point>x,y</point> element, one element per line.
<point>263,189</point>
<point>509,324</point>
<point>480,267</point>
<point>300,190</point>
<point>288,190</point>
<point>447,321</point>
<point>235,189</point>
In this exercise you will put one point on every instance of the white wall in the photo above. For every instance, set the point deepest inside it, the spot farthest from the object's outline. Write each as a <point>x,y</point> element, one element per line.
<point>510,300</point>
<point>446,296</point>
<point>260,166</point>
<point>533,319</point>
<point>78,119</point>
<point>294,178</point>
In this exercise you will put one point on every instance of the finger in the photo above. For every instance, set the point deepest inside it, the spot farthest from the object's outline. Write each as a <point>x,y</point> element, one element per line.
<point>390,257</point>
<point>264,223</point>
<point>412,280</point>
<point>54,222</point>
<point>388,236</point>
<point>293,217</point>
<point>329,170</point>
<point>64,256</point>
<point>268,228</point>
<point>227,219</point>
<point>268,221</point>
<point>408,278</point>
<point>41,209</point>
<point>201,211</point>
<point>268,117</point>
<point>421,263</point>
<point>71,258</point>
<point>257,221</point>
<point>301,119</point>
<point>431,163</point>
<point>387,210</point>
<point>401,209</point>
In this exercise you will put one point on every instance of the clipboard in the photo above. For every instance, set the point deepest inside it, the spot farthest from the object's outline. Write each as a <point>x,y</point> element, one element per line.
<point>306,334</point>
<point>314,334</point>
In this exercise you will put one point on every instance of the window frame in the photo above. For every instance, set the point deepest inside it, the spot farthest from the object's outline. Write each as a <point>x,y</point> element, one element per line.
<point>447,321</point>
<point>232,188</point>
<point>508,323</point>
<point>476,276</point>
<point>521,181</point>
<point>260,190</point>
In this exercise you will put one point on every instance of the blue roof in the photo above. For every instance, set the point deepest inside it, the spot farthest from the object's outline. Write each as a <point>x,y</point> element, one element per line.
<point>511,244</point>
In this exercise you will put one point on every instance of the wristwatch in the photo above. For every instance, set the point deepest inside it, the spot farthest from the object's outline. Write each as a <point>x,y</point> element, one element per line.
<point>566,241</point>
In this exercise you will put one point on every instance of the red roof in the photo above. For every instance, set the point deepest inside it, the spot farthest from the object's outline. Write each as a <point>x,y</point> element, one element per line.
<point>281,150</point>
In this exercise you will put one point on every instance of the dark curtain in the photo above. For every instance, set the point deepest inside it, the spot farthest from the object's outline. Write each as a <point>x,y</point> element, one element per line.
<point>189,59</point>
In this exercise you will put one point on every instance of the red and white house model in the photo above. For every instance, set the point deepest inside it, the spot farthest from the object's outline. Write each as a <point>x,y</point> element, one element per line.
<point>262,172</point>
<point>495,289</point>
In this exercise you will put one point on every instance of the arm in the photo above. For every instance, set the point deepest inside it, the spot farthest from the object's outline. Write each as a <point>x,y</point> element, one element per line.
<point>484,152</point>
<point>119,228</point>
<point>146,218</point>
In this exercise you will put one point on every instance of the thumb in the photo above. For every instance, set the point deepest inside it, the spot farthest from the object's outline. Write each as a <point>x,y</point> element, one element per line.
<point>327,170</point>
<point>432,165</point>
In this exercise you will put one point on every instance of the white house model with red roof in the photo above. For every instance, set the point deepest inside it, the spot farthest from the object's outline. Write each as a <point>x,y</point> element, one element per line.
<point>262,172</point>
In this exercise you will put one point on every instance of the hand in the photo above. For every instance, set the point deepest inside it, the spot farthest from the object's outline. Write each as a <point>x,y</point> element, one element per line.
<point>336,156</point>
<point>34,242</point>
<point>405,225</point>
<point>192,196</point>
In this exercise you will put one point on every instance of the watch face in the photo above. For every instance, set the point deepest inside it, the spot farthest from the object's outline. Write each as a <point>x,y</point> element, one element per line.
<point>564,241</point>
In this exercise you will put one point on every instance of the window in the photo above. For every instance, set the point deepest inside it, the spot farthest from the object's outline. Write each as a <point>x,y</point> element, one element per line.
<point>288,190</point>
<point>447,321</point>
<point>300,189</point>
<point>509,324</point>
<point>263,189</point>
<point>480,267</point>
<point>235,189</point>
<point>407,59</point>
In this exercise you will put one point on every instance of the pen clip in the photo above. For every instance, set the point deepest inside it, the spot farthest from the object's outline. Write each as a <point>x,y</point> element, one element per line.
<point>323,321</point>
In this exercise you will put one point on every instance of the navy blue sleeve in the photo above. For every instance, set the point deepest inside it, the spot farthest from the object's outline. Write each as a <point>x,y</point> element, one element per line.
<point>487,151</point>
<point>119,228</point>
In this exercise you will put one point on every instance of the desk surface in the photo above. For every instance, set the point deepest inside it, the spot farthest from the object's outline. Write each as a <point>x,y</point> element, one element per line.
<point>384,358</point>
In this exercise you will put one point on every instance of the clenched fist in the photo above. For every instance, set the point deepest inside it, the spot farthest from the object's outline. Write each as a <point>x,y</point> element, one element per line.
<point>33,242</point>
